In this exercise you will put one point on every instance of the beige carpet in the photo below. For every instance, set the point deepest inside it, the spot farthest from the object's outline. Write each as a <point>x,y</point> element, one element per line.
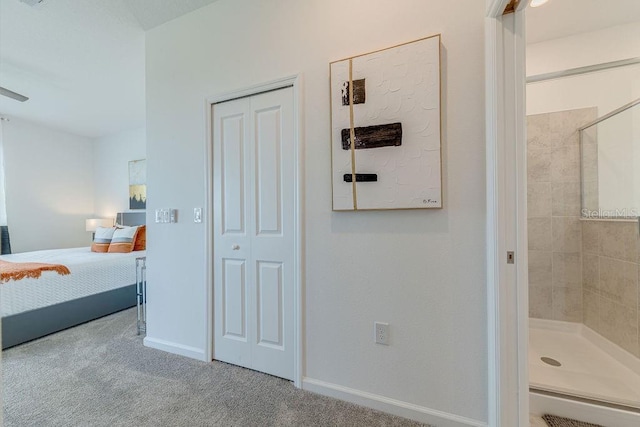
<point>100,374</point>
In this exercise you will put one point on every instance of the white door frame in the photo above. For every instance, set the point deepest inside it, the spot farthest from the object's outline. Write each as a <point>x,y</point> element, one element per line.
<point>295,82</point>
<point>507,293</point>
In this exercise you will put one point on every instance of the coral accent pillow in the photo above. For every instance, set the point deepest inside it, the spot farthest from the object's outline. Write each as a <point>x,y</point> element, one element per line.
<point>141,239</point>
<point>102,239</point>
<point>123,240</point>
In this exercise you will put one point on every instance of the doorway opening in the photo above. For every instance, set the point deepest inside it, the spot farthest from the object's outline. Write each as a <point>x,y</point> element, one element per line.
<point>582,214</point>
<point>508,292</point>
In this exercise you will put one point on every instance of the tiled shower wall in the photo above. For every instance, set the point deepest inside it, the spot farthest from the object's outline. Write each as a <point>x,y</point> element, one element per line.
<point>579,271</point>
<point>610,269</point>
<point>555,229</point>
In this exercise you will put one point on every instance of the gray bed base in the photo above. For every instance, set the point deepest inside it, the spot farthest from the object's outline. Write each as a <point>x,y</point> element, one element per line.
<point>30,325</point>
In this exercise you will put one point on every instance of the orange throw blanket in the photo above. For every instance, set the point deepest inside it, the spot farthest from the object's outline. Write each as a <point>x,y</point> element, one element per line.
<point>22,270</point>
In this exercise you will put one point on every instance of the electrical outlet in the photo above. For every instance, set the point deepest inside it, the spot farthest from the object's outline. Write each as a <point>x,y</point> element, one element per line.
<point>381,331</point>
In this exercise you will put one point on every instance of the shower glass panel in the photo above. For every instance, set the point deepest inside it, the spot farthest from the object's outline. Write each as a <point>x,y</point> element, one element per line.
<point>610,164</point>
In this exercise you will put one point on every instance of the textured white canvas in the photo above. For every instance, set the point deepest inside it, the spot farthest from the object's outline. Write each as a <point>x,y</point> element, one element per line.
<point>402,85</point>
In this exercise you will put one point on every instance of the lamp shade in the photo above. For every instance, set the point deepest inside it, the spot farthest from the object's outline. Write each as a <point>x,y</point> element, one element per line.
<point>93,223</point>
<point>536,3</point>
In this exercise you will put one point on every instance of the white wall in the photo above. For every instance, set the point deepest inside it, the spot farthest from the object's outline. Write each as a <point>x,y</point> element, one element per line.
<point>606,90</point>
<point>3,206</point>
<point>421,271</point>
<point>49,186</point>
<point>112,155</point>
<point>579,50</point>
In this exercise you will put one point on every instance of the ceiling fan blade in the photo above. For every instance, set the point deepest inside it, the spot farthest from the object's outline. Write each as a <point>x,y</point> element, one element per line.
<point>12,94</point>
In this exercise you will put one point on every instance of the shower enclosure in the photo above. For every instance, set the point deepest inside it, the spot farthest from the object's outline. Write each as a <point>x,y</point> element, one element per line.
<point>584,255</point>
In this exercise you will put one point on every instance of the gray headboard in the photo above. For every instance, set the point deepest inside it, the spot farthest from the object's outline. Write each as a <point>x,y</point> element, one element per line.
<point>131,218</point>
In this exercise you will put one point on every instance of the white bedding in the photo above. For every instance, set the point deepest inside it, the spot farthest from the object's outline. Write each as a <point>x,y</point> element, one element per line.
<point>91,273</point>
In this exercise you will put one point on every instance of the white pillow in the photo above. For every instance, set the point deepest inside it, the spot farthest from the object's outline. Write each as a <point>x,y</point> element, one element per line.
<point>123,239</point>
<point>102,239</point>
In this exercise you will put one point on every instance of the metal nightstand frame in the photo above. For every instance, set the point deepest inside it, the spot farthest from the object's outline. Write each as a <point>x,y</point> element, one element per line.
<point>141,293</point>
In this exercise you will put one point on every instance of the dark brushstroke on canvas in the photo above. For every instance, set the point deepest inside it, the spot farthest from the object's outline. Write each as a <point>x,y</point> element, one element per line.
<point>373,136</point>
<point>361,177</point>
<point>359,92</point>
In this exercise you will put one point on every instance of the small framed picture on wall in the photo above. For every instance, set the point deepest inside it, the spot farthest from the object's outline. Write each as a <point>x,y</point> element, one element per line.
<point>138,184</point>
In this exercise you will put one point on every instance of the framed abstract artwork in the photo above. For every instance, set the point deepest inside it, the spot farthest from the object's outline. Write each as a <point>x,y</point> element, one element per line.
<point>138,184</point>
<point>385,128</point>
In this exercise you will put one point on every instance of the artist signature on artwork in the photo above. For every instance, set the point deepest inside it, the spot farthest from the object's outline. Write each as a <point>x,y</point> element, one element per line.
<point>429,202</point>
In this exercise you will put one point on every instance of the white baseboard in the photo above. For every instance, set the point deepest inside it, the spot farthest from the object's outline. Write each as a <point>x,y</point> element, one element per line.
<point>391,406</point>
<point>171,347</point>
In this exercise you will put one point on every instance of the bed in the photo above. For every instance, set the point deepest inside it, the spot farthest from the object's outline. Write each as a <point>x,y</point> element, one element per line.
<point>98,284</point>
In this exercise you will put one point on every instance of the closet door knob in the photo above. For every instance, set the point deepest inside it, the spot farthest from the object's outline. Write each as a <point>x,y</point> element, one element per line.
<point>235,247</point>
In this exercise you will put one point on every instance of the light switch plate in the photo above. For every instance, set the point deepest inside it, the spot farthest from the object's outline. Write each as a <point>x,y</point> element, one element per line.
<point>197,215</point>
<point>166,215</point>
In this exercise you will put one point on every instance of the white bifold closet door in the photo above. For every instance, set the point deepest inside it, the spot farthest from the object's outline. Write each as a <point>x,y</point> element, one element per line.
<point>253,237</point>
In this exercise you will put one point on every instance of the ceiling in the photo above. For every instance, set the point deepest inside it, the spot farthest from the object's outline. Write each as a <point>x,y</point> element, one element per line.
<point>82,63</point>
<point>561,18</point>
